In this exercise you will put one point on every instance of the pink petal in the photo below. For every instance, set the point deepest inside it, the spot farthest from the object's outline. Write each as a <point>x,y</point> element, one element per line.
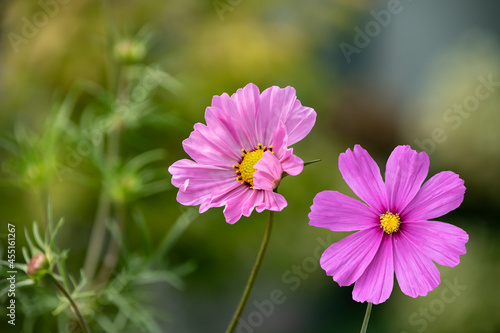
<point>220,196</point>
<point>240,111</point>
<point>222,128</point>
<point>196,182</point>
<point>405,172</point>
<point>247,102</point>
<point>268,174</point>
<point>280,141</point>
<point>376,283</point>
<point>244,201</point>
<point>441,242</point>
<point>338,212</point>
<point>362,175</point>
<point>270,200</point>
<point>290,163</point>
<point>299,120</point>
<point>206,148</point>
<point>347,259</point>
<point>274,102</point>
<point>241,202</point>
<point>441,194</point>
<point>416,274</point>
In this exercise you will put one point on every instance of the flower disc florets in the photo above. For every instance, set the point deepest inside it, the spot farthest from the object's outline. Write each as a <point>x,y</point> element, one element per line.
<point>245,169</point>
<point>390,222</point>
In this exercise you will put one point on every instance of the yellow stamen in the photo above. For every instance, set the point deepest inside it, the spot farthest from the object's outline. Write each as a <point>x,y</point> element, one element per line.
<point>245,169</point>
<point>390,222</point>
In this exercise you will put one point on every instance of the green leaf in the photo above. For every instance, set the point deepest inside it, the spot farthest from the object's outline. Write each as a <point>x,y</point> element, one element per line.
<point>55,230</point>
<point>26,255</point>
<point>38,239</point>
<point>312,162</point>
<point>33,249</point>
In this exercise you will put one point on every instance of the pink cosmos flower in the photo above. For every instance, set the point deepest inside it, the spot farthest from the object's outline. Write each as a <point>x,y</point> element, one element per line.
<point>395,234</point>
<point>242,153</point>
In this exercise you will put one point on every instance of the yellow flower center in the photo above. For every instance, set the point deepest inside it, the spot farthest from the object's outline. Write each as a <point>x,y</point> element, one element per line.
<point>390,222</point>
<point>245,169</point>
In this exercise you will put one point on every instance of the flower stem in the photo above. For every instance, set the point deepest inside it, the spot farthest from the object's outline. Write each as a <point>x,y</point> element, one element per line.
<point>113,252</point>
<point>367,318</point>
<point>98,233</point>
<point>74,308</point>
<point>253,275</point>
<point>97,237</point>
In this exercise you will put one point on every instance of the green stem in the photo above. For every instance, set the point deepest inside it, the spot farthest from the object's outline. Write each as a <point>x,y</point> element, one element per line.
<point>98,233</point>
<point>367,318</point>
<point>97,236</point>
<point>74,308</point>
<point>253,275</point>
<point>113,252</point>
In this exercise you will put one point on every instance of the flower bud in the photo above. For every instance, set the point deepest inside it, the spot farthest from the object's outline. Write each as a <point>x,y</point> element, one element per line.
<point>37,265</point>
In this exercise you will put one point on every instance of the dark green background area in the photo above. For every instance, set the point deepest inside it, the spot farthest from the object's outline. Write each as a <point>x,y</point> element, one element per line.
<point>402,85</point>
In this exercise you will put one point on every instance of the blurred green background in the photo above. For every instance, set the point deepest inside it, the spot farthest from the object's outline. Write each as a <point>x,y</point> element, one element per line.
<point>410,75</point>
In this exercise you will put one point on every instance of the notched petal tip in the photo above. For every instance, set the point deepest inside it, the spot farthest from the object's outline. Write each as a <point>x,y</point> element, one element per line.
<point>405,173</point>
<point>441,194</point>
<point>362,174</point>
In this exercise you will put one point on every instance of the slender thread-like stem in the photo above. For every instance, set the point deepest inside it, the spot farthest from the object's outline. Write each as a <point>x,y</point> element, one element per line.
<point>253,275</point>
<point>367,318</point>
<point>98,233</point>
<point>112,254</point>
<point>97,236</point>
<point>74,308</point>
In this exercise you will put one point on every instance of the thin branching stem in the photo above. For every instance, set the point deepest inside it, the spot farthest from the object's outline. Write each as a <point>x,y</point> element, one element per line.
<point>113,252</point>
<point>97,236</point>
<point>98,233</point>
<point>74,307</point>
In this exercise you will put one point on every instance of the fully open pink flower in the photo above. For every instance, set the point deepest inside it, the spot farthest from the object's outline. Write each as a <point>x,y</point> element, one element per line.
<point>242,152</point>
<point>395,234</point>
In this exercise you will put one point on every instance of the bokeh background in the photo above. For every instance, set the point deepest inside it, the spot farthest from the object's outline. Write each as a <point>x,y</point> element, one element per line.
<point>398,84</point>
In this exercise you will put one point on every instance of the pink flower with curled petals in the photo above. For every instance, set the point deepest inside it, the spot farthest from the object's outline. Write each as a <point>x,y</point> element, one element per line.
<point>240,155</point>
<point>395,232</point>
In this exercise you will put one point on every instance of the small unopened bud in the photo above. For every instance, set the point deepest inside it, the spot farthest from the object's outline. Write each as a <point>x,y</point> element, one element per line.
<point>37,264</point>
